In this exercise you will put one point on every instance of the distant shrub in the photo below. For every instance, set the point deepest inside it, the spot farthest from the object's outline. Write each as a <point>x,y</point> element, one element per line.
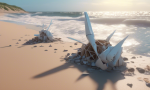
<point>11,8</point>
<point>6,8</point>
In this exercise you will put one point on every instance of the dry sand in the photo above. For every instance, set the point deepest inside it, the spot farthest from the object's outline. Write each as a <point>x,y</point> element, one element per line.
<point>25,67</point>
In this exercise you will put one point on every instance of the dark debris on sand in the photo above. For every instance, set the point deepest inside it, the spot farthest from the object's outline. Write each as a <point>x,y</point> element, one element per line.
<point>41,39</point>
<point>125,59</point>
<point>140,70</point>
<point>130,85</point>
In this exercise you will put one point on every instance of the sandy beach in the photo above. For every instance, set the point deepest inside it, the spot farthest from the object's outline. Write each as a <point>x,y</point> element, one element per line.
<point>31,67</point>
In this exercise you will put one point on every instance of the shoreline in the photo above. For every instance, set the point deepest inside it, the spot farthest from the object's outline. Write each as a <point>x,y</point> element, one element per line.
<point>28,67</point>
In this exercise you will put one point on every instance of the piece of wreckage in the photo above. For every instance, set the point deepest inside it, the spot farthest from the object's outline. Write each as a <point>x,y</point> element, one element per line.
<point>98,54</point>
<point>44,36</point>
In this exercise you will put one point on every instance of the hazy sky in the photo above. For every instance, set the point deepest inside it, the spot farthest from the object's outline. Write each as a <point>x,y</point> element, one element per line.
<point>81,5</point>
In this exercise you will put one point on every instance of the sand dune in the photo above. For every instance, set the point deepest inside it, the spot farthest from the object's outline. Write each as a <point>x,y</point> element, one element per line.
<point>30,67</point>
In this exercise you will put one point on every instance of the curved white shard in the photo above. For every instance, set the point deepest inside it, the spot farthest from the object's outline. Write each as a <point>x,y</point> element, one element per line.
<point>104,54</point>
<point>49,35</point>
<point>116,58</point>
<point>108,38</point>
<point>75,40</point>
<point>89,32</point>
<point>100,64</point>
<point>49,25</point>
<point>114,51</point>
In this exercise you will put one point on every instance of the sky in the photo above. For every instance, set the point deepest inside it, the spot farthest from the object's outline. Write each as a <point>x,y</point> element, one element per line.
<point>81,5</point>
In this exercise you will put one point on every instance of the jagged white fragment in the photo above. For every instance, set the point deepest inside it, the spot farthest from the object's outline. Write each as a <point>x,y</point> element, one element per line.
<point>114,51</point>
<point>89,32</point>
<point>108,38</point>
<point>116,58</point>
<point>104,54</point>
<point>100,64</point>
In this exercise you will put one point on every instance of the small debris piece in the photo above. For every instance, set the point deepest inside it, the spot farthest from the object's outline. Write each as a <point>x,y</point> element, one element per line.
<point>9,45</point>
<point>132,61</point>
<point>17,43</point>
<point>68,54</point>
<point>35,46</point>
<point>75,43</point>
<point>41,46</point>
<point>125,59</point>
<point>55,49</point>
<point>140,70</point>
<point>50,45</point>
<point>140,56</point>
<point>133,57</point>
<point>131,70</point>
<point>46,50</point>
<point>130,85</point>
<point>65,50</point>
<point>70,46</point>
<point>19,40</point>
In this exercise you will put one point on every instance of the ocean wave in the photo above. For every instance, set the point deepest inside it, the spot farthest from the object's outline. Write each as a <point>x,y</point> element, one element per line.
<point>38,13</point>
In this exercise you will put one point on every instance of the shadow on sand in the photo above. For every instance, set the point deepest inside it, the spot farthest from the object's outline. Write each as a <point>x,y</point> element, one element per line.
<point>100,78</point>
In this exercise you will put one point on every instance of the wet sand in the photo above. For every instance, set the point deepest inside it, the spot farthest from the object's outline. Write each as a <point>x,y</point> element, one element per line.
<point>30,67</point>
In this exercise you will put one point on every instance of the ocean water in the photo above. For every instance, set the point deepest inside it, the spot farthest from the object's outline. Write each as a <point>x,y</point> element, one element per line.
<point>136,24</point>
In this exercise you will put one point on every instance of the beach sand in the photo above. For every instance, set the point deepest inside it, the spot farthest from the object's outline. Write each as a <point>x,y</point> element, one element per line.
<point>25,67</point>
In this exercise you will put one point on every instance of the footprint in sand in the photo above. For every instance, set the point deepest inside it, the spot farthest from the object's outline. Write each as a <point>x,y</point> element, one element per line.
<point>25,40</point>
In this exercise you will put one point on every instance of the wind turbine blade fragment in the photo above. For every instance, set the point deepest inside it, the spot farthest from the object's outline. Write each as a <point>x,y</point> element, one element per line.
<point>108,38</point>
<point>75,40</point>
<point>114,51</point>
<point>49,25</point>
<point>89,32</point>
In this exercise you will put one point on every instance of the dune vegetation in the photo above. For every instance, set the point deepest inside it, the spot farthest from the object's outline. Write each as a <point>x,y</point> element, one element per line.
<point>8,7</point>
